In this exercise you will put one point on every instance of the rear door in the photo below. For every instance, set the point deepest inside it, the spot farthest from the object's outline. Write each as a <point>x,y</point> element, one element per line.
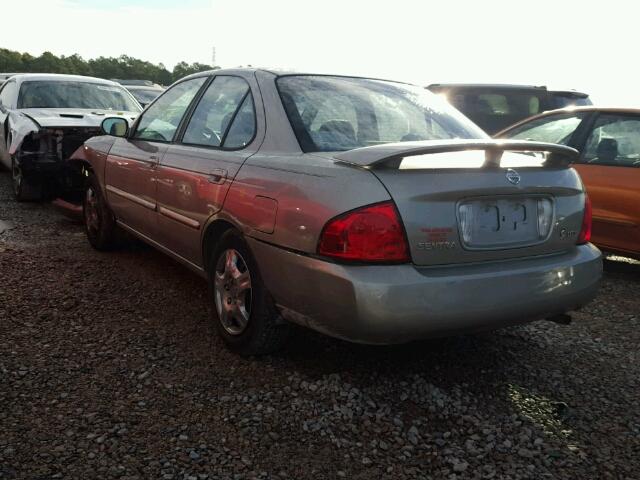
<point>130,174</point>
<point>610,169</point>
<point>196,172</point>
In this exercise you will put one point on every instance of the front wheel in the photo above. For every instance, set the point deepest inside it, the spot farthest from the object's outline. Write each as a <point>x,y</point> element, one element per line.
<point>99,222</point>
<point>24,188</point>
<point>247,319</point>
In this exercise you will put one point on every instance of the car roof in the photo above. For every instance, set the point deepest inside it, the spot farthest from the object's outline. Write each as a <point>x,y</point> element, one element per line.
<point>282,73</point>
<point>506,86</point>
<point>23,77</point>
<point>586,108</point>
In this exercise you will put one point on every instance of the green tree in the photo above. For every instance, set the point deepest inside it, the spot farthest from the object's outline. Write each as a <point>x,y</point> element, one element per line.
<point>182,69</point>
<point>122,67</point>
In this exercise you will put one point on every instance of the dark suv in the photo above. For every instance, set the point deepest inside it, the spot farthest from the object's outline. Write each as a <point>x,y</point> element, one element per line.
<point>495,107</point>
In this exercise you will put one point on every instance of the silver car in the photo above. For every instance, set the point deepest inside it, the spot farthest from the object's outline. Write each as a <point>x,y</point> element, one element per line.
<point>368,210</point>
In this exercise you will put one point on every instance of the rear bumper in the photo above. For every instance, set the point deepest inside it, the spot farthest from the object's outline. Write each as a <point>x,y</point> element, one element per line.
<point>399,303</point>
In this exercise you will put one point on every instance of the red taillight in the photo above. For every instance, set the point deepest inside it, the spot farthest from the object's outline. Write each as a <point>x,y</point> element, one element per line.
<point>368,234</point>
<point>585,231</point>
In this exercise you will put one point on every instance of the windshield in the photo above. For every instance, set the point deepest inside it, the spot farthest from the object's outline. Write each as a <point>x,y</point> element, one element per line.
<point>74,94</point>
<point>145,96</point>
<point>336,113</point>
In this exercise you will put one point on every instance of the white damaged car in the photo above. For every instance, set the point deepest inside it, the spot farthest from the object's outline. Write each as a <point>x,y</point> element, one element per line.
<point>44,118</point>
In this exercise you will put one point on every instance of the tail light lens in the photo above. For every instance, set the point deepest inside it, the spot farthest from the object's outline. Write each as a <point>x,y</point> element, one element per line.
<point>368,234</point>
<point>585,231</point>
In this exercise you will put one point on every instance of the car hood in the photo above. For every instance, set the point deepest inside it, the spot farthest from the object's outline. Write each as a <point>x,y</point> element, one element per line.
<point>73,117</point>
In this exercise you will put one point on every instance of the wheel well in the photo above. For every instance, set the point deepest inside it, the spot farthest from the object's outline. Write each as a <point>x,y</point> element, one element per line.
<point>211,237</point>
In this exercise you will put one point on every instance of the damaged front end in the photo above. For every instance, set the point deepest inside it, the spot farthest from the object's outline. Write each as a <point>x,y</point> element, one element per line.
<point>42,158</point>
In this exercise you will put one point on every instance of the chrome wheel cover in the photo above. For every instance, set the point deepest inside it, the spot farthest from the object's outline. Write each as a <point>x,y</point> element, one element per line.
<point>232,291</point>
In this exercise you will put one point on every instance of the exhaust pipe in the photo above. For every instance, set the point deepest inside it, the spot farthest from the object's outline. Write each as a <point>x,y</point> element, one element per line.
<point>561,319</point>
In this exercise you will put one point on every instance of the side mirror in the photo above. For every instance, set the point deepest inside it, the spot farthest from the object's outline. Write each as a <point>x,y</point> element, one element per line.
<point>116,126</point>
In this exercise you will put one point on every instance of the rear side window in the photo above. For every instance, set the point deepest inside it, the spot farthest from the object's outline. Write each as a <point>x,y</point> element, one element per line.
<point>615,141</point>
<point>224,117</point>
<point>552,129</point>
<point>161,120</point>
<point>341,113</point>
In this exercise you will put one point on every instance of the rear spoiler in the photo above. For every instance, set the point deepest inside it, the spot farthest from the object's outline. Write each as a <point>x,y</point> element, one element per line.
<point>390,154</point>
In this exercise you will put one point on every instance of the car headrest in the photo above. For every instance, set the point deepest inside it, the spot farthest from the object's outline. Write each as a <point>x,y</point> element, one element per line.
<point>607,149</point>
<point>340,127</point>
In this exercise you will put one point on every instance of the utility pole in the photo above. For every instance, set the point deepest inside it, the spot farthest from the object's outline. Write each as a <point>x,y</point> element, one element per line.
<point>213,56</point>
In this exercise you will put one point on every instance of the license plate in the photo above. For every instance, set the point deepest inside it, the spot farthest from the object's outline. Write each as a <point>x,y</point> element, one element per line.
<point>503,222</point>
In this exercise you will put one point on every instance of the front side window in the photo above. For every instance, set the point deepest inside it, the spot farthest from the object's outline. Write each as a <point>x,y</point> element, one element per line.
<point>160,122</point>
<point>340,113</point>
<point>224,117</point>
<point>615,140</point>
<point>552,129</point>
<point>75,94</point>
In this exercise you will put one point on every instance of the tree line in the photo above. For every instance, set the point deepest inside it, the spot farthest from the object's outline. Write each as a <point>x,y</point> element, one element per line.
<point>122,67</point>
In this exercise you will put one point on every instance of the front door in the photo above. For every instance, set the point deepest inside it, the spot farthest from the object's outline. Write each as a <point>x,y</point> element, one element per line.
<point>610,168</point>
<point>131,166</point>
<point>196,172</point>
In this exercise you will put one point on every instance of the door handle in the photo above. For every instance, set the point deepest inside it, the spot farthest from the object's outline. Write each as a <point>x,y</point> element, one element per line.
<point>217,176</point>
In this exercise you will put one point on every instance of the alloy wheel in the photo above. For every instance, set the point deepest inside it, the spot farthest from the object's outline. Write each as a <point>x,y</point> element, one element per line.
<point>233,293</point>
<point>91,216</point>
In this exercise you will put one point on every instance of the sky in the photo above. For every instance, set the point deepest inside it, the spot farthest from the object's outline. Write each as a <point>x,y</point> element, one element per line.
<point>584,45</point>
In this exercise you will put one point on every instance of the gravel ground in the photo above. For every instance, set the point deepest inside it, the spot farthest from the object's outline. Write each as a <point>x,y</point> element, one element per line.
<point>110,368</point>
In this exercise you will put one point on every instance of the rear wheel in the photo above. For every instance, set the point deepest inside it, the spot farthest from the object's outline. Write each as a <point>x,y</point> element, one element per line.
<point>99,222</point>
<point>24,188</point>
<point>247,319</point>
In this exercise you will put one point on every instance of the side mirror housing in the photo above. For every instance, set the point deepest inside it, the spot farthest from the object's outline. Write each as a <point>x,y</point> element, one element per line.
<point>116,126</point>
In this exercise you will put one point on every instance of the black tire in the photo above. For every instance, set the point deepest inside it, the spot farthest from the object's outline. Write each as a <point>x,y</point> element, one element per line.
<point>99,222</point>
<point>25,189</point>
<point>264,332</point>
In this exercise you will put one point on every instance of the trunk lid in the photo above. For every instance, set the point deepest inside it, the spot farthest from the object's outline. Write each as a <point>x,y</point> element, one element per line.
<point>474,201</point>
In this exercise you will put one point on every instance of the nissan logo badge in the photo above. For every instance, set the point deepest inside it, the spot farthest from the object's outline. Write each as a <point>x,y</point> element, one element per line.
<point>513,176</point>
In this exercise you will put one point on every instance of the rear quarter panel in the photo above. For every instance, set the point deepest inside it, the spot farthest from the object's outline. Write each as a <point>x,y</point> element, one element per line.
<point>305,191</point>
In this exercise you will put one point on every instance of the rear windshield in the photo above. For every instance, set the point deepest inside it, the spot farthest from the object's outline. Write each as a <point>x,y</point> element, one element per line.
<point>337,113</point>
<point>494,110</point>
<point>74,94</point>
<point>559,100</point>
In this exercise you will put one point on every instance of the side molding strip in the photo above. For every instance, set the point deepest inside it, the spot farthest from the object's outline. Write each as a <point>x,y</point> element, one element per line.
<point>133,198</point>
<point>178,217</point>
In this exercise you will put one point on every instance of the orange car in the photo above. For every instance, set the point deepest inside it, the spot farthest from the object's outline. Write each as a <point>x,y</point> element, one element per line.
<point>608,140</point>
